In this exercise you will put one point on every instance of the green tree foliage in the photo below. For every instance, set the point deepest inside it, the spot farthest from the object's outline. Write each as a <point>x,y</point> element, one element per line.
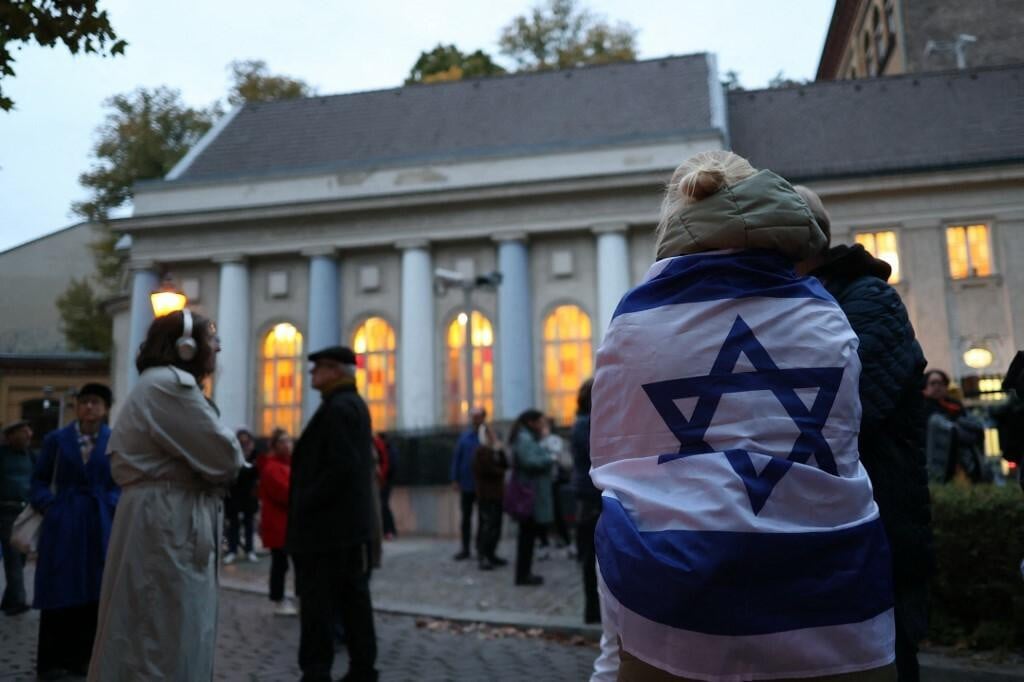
<point>83,322</point>
<point>448,63</point>
<point>251,81</point>
<point>732,81</point>
<point>780,80</point>
<point>81,26</point>
<point>146,132</point>
<point>561,34</point>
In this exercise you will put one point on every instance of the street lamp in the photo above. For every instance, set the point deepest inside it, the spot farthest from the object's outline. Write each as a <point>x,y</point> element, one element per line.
<point>167,299</point>
<point>446,279</point>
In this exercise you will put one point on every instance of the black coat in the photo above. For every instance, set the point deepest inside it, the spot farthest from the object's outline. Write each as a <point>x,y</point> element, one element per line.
<point>891,383</point>
<point>330,505</point>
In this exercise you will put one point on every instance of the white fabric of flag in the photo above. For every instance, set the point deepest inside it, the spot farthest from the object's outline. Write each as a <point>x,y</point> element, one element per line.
<point>738,539</point>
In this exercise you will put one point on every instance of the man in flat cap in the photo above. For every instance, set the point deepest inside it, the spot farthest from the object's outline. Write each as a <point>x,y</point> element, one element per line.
<point>331,520</point>
<point>16,463</point>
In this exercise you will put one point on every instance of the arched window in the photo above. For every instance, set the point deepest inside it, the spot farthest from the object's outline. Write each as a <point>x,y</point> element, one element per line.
<point>568,360</point>
<point>482,337</point>
<point>374,345</point>
<point>281,394</point>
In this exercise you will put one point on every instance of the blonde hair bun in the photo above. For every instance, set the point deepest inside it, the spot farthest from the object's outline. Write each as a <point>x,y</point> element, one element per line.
<point>702,183</point>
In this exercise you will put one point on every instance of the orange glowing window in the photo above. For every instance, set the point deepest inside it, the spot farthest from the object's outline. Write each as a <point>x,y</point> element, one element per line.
<point>374,345</point>
<point>482,339</point>
<point>882,245</point>
<point>568,360</point>
<point>968,248</point>
<point>281,385</point>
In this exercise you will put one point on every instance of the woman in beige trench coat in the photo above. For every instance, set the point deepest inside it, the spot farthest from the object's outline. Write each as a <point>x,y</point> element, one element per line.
<point>172,459</point>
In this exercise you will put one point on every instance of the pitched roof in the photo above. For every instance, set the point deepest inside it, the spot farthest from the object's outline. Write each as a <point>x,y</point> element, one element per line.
<point>500,116</point>
<point>882,125</point>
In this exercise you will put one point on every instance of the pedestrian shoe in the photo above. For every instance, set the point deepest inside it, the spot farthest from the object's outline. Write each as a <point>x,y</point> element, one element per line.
<point>229,558</point>
<point>285,608</point>
<point>486,565</point>
<point>530,580</point>
<point>498,561</point>
<point>461,556</point>
<point>17,610</point>
<point>253,558</point>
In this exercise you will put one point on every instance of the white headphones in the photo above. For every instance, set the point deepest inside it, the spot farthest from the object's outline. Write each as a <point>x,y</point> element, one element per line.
<point>186,345</point>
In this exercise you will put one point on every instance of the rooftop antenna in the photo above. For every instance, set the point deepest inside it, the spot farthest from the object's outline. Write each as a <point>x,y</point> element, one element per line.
<point>957,47</point>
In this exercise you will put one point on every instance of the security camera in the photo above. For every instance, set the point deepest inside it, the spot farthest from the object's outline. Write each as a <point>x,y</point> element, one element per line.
<point>491,279</point>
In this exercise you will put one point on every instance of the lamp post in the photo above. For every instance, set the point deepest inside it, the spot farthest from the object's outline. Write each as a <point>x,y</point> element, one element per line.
<point>445,279</point>
<point>168,298</point>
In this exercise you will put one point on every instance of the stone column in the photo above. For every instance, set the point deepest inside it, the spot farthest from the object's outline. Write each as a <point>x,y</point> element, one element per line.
<point>416,360</point>
<point>324,316</point>
<point>231,388</point>
<point>612,271</point>
<point>144,282</point>
<point>515,335</point>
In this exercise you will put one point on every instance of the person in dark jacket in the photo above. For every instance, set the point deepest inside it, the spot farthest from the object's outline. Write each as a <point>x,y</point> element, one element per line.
<point>489,466</point>
<point>532,466</point>
<point>462,478</point>
<point>588,499</point>
<point>242,501</point>
<point>891,438</point>
<point>16,463</point>
<point>332,521</point>
<point>73,538</point>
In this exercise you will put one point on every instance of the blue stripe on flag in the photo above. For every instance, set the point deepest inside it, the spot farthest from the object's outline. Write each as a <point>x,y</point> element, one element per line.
<point>719,276</point>
<point>736,584</point>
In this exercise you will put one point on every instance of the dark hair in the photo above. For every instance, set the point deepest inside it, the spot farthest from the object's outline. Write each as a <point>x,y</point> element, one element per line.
<point>158,350</point>
<point>276,435</point>
<point>521,422</point>
<point>943,375</point>
<point>583,397</point>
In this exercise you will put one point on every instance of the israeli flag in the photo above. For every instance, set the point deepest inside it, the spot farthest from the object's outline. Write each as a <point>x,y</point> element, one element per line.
<point>739,539</point>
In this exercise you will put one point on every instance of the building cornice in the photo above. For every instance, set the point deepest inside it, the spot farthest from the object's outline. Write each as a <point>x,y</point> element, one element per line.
<point>392,203</point>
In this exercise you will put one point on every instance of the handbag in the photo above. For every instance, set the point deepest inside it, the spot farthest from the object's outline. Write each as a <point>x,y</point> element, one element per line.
<point>25,531</point>
<point>518,500</point>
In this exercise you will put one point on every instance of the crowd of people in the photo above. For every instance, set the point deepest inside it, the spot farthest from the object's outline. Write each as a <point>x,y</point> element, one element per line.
<point>711,545</point>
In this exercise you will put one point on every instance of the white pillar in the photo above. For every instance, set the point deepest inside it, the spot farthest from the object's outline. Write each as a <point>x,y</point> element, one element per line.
<point>144,282</point>
<point>416,361</point>
<point>231,388</point>
<point>515,335</point>
<point>324,326</point>
<point>612,271</point>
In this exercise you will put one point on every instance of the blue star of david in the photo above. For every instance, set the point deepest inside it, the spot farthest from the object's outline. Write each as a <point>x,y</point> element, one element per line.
<point>722,380</point>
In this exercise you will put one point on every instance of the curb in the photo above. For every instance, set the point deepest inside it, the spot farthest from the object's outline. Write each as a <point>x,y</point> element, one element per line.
<point>939,668</point>
<point>934,667</point>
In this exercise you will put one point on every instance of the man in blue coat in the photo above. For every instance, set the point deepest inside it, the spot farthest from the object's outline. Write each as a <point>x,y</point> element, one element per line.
<point>462,476</point>
<point>73,489</point>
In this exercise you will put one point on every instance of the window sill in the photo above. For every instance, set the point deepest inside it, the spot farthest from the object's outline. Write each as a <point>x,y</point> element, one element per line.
<point>988,282</point>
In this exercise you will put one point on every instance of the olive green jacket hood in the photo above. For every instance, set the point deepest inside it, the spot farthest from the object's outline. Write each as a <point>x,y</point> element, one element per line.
<point>759,212</point>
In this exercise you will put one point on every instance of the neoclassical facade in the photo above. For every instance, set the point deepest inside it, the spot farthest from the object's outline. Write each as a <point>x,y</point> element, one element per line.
<point>301,224</point>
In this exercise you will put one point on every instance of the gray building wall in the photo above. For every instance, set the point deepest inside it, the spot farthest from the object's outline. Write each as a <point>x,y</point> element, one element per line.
<point>32,277</point>
<point>997,24</point>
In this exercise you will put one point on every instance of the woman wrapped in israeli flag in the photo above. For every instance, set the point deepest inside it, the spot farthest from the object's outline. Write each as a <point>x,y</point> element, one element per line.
<point>738,539</point>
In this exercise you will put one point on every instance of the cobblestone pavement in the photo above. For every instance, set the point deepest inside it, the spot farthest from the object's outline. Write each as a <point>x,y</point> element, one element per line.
<point>255,645</point>
<point>418,576</point>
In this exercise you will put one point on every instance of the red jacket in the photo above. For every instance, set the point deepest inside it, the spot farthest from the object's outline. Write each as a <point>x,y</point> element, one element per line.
<point>275,480</point>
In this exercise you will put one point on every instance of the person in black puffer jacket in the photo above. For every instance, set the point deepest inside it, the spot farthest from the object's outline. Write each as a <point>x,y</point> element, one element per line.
<point>892,425</point>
